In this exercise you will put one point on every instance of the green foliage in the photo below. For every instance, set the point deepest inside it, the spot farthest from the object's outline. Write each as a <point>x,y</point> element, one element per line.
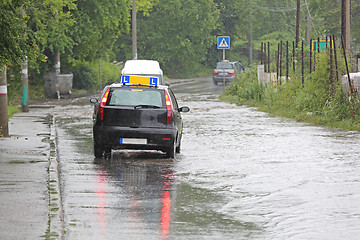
<point>97,26</point>
<point>318,101</point>
<point>246,87</point>
<point>86,74</point>
<point>16,40</point>
<point>177,33</point>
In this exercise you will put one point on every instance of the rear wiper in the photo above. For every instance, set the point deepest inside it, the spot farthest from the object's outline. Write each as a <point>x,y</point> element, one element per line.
<point>145,106</point>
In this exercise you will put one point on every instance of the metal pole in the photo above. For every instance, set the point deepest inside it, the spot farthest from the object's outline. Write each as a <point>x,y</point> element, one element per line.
<point>24,79</point>
<point>346,63</point>
<point>294,56</point>
<point>336,63</point>
<point>4,127</point>
<point>331,70</point>
<point>287,60</point>
<point>262,53</point>
<point>224,68</point>
<point>310,56</point>
<point>268,60</point>
<point>134,35</point>
<point>302,63</point>
<point>24,86</point>
<point>264,61</point>
<point>277,63</point>
<point>280,60</point>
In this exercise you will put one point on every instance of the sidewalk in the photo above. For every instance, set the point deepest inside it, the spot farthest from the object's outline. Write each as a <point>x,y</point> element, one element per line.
<point>28,176</point>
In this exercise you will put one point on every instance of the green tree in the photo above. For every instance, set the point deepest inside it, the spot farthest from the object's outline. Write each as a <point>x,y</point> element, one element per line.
<point>97,26</point>
<point>178,34</point>
<point>16,40</point>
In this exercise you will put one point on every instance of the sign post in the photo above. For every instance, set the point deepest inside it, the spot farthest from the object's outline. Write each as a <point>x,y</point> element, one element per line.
<point>223,43</point>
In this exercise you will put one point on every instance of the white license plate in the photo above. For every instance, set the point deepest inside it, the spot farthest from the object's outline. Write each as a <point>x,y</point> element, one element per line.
<point>133,141</point>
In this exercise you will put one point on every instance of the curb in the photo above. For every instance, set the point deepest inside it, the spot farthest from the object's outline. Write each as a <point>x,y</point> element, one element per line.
<point>56,210</point>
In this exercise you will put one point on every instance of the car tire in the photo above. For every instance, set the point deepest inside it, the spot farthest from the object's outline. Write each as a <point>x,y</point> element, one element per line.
<point>98,151</point>
<point>107,153</point>
<point>216,83</point>
<point>178,148</point>
<point>170,153</point>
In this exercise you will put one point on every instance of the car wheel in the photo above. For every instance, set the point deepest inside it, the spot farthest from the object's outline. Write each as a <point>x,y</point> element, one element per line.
<point>107,153</point>
<point>178,148</point>
<point>170,153</point>
<point>216,83</point>
<point>98,151</point>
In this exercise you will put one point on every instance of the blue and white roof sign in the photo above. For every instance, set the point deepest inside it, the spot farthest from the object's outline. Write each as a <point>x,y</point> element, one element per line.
<point>125,79</point>
<point>223,42</point>
<point>154,81</point>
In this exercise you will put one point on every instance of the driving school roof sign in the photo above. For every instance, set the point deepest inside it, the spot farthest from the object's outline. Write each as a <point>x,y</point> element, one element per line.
<point>142,80</point>
<point>223,42</point>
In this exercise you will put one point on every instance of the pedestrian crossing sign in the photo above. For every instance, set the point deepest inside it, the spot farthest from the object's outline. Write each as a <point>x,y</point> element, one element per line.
<point>223,42</point>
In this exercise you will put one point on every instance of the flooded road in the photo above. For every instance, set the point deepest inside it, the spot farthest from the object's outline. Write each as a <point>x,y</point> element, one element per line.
<point>241,174</point>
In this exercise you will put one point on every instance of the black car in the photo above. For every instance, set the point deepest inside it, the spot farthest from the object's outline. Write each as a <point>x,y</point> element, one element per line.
<point>137,116</point>
<point>226,71</point>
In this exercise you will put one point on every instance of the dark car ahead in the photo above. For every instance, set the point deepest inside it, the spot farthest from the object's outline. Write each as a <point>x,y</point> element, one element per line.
<point>137,116</point>
<point>226,71</point>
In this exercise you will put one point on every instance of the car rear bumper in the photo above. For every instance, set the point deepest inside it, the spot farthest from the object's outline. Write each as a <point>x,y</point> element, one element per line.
<point>156,138</point>
<point>218,79</point>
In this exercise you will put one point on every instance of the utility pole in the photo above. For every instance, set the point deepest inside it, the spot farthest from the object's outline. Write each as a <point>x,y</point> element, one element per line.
<point>4,127</point>
<point>297,22</point>
<point>345,23</point>
<point>250,40</point>
<point>134,36</point>
<point>24,80</point>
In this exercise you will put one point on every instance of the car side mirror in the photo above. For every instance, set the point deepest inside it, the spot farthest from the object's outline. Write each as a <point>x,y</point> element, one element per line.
<point>184,109</point>
<point>94,100</point>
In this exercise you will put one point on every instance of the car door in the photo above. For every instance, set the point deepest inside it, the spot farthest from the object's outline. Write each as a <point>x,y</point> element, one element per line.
<point>176,112</point>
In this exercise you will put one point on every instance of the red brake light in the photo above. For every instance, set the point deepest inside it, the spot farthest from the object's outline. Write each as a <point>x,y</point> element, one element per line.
<point>215,73</point>
<point>231,73</point>
<point>102,104</point>
<point>168,108</point>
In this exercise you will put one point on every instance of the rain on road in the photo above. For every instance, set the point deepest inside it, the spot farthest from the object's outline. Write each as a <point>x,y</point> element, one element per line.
<point>241,174</point>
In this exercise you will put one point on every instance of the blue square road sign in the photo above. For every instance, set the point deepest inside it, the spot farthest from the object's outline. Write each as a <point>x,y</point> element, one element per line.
<point>223,42</point>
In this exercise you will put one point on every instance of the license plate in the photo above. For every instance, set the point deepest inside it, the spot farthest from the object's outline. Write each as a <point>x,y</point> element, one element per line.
<point>133,141</point>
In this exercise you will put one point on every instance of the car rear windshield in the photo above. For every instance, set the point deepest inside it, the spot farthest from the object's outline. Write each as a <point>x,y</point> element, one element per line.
<point>135,97</point>
<point>224,66</point>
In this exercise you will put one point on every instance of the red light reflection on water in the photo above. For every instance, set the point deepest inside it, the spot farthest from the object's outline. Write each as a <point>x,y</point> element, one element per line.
<point>166,207</point>
<point>101,202</point>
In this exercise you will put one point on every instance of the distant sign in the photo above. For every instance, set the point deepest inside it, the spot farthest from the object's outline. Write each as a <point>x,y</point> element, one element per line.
<point>223,42</point>
<point>320,44</point>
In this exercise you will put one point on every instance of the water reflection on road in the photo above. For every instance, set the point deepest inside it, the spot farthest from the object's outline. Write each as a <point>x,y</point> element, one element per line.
<point>241,174</point>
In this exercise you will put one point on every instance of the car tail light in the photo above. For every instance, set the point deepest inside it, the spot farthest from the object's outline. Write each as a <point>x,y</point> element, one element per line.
<point>168,108</point>
<point>215,73</point>
<point>102,104</point>
<point>231,73</point>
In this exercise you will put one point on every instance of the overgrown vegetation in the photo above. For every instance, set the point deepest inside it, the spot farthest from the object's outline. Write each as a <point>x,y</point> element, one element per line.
<point>315,102</point>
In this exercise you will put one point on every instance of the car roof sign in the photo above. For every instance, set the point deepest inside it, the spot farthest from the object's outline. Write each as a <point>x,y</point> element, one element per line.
<point>140,80</point>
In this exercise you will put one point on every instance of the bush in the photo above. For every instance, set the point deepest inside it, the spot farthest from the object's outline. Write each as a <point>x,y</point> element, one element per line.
<point>315,101</point>
<point>86,75</point>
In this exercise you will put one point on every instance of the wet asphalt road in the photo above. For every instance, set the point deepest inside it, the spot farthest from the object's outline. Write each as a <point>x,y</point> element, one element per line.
<point>241,174</point>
